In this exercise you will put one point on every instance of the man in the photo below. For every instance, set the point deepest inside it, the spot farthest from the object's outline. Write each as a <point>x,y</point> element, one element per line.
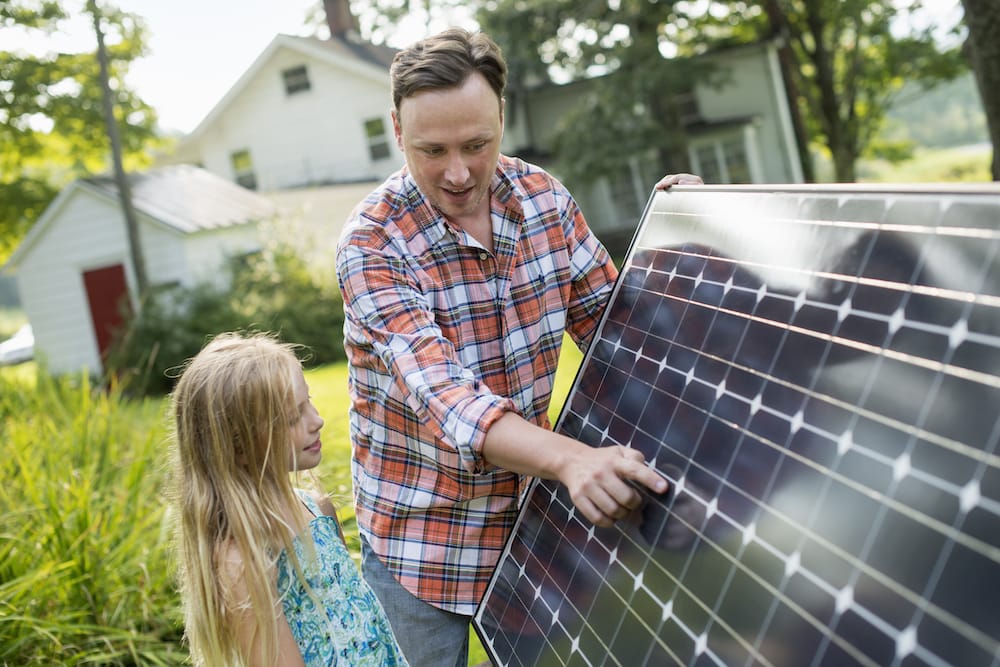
<point>460,275</point>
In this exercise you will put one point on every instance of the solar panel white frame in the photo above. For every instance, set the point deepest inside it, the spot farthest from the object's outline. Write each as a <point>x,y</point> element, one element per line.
<point>817,372</point>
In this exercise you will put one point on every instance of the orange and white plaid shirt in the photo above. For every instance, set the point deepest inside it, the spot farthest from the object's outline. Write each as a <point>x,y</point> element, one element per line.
<point>443,337</point>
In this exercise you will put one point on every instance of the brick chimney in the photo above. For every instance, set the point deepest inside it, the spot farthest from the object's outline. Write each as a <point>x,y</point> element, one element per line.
<point>339,18</point>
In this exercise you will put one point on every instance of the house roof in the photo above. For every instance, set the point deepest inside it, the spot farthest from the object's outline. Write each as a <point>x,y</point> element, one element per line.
<point>344,52</point>
<point>190,199</point>
<point>355,47</point>
<point>183,198</point>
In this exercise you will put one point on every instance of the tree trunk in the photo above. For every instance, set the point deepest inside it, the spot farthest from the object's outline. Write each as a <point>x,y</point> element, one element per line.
<point>983,49</point>
<point>781,31</point>
<point>124,191</point>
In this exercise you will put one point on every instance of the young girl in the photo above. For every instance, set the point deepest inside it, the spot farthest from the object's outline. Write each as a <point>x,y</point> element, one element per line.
<point>266,578</point>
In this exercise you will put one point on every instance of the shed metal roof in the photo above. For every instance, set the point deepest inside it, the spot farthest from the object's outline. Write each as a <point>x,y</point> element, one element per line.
<point>190,199</point>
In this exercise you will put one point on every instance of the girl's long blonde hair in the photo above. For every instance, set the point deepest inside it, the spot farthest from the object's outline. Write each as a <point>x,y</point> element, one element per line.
<point>231,413</point>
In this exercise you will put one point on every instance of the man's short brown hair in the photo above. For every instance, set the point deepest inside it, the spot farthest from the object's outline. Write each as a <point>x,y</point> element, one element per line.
<point>445,61</point>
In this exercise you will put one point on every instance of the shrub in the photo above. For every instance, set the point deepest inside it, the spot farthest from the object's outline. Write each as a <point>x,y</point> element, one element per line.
<point>85,563</point>
<point>271,290</point>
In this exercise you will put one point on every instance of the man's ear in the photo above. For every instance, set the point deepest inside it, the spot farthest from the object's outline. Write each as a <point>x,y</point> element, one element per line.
<point>396,129</point>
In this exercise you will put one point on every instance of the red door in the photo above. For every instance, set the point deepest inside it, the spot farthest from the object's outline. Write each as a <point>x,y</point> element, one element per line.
<point>107,293</point>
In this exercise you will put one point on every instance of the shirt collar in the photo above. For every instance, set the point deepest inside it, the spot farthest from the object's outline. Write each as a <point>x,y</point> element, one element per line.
<point>429,221</point>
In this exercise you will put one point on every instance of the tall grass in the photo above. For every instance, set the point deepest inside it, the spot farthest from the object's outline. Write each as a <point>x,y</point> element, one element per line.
<point>85,567</point>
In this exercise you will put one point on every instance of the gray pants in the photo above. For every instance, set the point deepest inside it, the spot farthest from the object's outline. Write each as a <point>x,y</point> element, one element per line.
<point>428,636</point>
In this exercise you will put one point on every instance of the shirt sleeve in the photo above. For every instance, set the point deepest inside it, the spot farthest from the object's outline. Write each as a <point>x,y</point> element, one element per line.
<point>593,277</point>
<point>391,325</point>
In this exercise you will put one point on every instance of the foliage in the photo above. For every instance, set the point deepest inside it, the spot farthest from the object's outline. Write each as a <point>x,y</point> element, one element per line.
<point>272,290</point>
<point>85,572</point>
<point>634,107</point>
<point>949,114</point>
<point>51,120</point>
<point>956,165</point>
<point>849,62</point>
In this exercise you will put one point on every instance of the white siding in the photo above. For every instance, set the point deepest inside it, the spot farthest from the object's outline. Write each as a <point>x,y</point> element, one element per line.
<point>86,233</point>
<point>205,252</point>
<point>314,136</point>
<point>163,252</point>
<point>751,89</point>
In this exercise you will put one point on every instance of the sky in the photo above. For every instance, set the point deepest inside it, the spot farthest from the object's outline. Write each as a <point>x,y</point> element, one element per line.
<point>199,48</point>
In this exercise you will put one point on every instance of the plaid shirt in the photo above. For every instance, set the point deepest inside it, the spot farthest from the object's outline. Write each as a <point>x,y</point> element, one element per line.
<point>443,338</point>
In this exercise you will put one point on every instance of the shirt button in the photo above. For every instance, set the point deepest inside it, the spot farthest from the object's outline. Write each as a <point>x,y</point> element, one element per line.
<point>483,256</point>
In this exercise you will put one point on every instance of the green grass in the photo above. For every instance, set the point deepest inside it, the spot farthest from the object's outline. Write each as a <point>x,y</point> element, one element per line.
<point>945,165</point>
<point>85,559</point>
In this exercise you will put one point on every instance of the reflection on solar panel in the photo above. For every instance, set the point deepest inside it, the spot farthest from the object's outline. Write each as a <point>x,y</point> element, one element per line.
<point>817,372</point>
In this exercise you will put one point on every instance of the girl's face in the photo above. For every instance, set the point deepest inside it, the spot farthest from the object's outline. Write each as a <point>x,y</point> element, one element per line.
<point>306,424</point>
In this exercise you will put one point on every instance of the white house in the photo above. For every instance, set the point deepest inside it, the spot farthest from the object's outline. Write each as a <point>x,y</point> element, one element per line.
<point>307,112</point>
<point>74,271</point>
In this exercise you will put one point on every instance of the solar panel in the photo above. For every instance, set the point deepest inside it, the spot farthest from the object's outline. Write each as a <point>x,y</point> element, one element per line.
<point>816,370</point>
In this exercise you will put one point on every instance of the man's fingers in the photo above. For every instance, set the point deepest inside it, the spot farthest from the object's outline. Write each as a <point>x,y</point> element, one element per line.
<point>607,506</point>
<point>608,493</point>
<point>679,179</point>
<point>636,469</point>
<point>631,454</point>
<point>593,514</point>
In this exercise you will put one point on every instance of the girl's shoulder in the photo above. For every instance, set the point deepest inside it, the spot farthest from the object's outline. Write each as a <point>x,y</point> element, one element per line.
<point>231,571</point>
<point>317,501</point>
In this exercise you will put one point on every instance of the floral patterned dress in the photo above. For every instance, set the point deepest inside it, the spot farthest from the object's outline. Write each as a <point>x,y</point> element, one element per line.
<point>345,624</point>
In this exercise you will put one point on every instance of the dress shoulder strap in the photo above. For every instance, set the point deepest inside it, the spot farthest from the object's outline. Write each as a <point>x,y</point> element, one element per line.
<point>309,502</point>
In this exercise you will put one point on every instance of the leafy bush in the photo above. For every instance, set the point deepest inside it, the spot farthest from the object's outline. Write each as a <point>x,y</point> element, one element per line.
<point>85,563</point>
<point>272,290</point>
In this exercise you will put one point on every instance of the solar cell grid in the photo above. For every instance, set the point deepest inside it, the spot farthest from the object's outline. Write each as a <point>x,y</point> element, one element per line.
<point>816,373</point>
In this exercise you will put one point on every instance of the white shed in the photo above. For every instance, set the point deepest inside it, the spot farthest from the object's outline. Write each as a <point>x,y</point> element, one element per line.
<point>74,270</point>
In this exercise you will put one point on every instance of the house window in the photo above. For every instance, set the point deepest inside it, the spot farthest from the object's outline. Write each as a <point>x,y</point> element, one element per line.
<point>296,80</point>
<point>687,107</point>
<point>707,164</point>
<point>737,164</point>
<point>722,160</point>
<point>624,197</point>
<point>378,139</point>
<point>243,169</point>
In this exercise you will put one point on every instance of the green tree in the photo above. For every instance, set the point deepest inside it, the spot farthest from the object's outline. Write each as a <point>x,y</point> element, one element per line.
<point>51,125</point>
<point>983,47</point>
<point>634,108</point>
<point>850,59</point>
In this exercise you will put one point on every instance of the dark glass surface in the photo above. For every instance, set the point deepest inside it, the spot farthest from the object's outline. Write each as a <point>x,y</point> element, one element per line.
<point>817,372</point>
